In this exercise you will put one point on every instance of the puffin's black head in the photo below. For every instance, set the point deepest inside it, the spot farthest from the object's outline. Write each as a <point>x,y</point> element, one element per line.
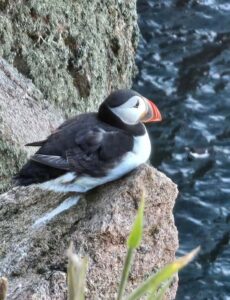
<point>119,97</point>
<point>128,107</point>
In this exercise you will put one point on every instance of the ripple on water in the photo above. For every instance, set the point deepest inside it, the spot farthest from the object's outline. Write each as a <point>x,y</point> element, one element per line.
<point>194,104</point>
<point>224,7</point>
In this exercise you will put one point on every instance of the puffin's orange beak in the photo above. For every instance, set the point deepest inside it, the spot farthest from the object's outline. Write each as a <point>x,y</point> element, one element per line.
<point>152,113</point>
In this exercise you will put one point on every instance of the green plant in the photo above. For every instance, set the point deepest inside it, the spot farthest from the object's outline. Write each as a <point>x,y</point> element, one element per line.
<point>154,287</point>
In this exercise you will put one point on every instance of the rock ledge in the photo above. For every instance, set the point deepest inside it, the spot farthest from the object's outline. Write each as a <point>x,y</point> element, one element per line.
<point>33,257</point>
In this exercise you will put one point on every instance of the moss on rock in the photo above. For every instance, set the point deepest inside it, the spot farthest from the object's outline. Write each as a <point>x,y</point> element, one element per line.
<point>75,52</point>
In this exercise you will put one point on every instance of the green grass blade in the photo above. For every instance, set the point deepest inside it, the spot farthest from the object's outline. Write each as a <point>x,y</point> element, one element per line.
<point>154,281</point>
<point>161,292</point>
<point>135,235</point>
<point>125,273</point>
<point>133,242</point>
<point>76,273</point>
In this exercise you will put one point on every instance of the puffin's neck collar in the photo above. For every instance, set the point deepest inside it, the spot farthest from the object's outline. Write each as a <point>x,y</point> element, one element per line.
<point>107,116</point>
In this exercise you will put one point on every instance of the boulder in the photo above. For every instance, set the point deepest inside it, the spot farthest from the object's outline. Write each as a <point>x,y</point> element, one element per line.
<point>33,248</point>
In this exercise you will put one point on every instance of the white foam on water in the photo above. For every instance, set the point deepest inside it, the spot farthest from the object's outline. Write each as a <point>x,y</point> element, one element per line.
<point>200,155</point>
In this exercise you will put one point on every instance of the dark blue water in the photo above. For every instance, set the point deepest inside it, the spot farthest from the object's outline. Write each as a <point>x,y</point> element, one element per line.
<point>184,65</point>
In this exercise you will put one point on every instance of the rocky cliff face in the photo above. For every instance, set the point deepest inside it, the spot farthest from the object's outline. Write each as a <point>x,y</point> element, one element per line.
<point>75,52</point>
<point>24,116</point>
<point>33,253</point>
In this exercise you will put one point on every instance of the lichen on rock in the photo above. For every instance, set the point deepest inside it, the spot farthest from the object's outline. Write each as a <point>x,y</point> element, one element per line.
<point>75,52</point>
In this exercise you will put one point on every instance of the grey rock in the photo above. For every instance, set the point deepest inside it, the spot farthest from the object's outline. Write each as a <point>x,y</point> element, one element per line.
<point>23,118</point>
<point>75,52</point>
<point>33,258</point>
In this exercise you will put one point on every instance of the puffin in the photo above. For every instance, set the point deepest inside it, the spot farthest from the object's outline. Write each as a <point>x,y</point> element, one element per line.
<point>92,149</point>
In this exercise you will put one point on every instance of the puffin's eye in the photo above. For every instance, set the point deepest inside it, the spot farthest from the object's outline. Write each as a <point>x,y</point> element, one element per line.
<point>137,104</point>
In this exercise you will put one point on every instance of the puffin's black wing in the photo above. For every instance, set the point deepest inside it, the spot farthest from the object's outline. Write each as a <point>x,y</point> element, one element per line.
<point>94,153</point>
<point>99,151</point>
<point>52,160</point>
<point>85,146</point>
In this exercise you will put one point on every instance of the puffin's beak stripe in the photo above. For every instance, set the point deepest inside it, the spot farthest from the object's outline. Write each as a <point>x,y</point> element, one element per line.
<point>152,114</point>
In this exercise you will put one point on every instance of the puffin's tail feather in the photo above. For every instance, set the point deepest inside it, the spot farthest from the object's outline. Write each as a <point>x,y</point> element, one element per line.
<point>36,144</point>
<point>18,180</point>
<point>33,173</point>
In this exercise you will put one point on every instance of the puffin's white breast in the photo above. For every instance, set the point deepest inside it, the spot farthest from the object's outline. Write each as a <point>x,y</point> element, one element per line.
<point>139,155</point>
<point>142,147</point>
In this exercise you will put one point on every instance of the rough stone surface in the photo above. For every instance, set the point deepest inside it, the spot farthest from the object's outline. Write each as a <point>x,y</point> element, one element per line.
<point>75,52</point>
<point>33,258</point>
<point>23,118</point>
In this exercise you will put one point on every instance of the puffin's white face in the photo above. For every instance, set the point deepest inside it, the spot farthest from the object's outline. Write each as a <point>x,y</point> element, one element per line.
<point>136,109</point>
<point>131,111</point>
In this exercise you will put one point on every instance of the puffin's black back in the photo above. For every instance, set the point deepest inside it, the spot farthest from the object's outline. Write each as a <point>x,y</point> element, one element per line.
<point>56,144</point>
<point>71,135</point>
